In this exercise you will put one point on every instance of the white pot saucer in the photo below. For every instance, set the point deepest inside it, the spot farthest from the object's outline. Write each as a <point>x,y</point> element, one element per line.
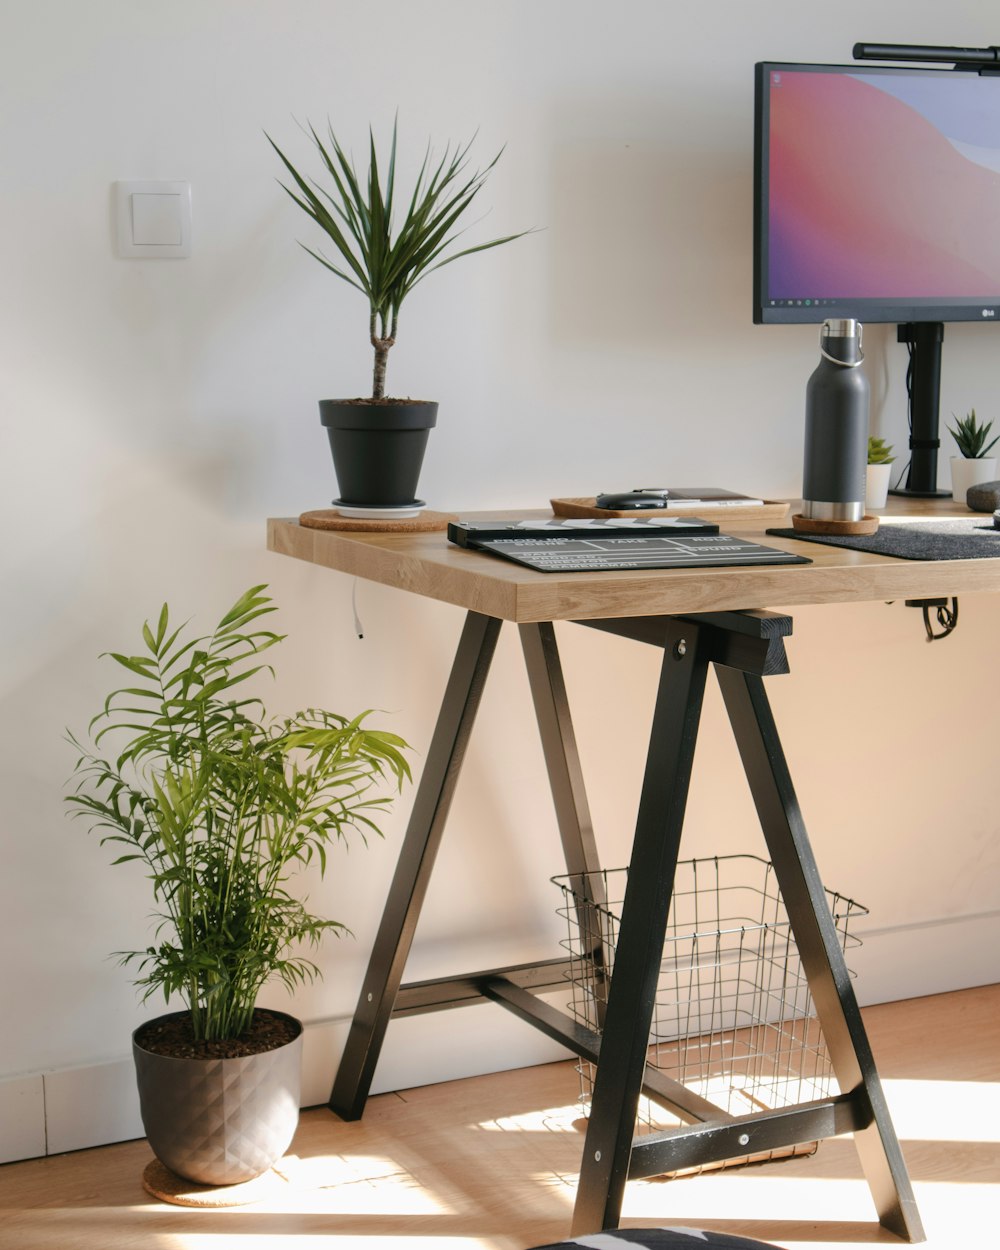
<point>381,512</point>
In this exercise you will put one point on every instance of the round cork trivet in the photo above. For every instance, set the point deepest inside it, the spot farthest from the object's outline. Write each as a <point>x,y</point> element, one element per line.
<point>158,1180</point>
<point>808,525</point>
<point>330,519</point>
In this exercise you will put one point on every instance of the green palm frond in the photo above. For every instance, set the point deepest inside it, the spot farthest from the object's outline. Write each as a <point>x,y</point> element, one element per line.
<point>222,805</point>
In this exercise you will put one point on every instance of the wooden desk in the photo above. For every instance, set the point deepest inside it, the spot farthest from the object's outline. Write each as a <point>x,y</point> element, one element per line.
<point>701,620</point>
<point>427,564</point>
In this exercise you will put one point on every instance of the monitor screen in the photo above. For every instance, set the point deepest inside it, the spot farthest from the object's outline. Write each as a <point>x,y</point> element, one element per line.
<point>877,194</point>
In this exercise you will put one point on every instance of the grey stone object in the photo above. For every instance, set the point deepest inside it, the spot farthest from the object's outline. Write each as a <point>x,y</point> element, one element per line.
<point>984,497</point>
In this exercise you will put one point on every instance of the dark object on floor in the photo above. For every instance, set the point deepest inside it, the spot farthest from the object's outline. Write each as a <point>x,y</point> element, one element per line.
<point>659,1239</point>
<point>983,497</point>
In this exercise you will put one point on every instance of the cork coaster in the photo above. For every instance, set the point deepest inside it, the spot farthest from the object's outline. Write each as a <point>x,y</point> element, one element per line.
<point>158,1180</point>
<point>330,519</point>
<point>807,525</point>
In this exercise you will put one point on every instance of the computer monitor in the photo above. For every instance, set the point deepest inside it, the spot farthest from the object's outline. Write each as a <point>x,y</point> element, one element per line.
<point>877,196</point>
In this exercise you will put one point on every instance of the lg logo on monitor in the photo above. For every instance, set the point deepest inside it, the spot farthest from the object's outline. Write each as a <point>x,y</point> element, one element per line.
<point>989,312</point>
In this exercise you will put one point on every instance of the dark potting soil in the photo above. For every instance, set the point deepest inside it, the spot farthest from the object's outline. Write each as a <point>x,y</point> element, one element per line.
<point>173,1036</point>
<point>383,401</point>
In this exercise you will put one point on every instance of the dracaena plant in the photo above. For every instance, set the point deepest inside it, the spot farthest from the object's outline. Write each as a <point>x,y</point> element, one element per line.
<point>971,437</point>
<point>223,805</point>
<point>356,212</point>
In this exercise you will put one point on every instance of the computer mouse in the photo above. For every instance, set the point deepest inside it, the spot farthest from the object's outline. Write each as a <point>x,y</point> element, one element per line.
<point>644,499</point>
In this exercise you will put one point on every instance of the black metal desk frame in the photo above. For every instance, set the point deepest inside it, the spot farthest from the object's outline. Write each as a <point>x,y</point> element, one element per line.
<point>743,647</point>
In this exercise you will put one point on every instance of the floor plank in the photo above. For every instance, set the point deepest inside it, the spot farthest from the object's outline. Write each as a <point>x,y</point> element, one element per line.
<point>491,1163</point>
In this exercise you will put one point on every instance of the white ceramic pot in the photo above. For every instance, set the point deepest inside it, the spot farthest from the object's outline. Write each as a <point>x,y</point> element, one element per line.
<point>970,472</point>
<point>877,485</point>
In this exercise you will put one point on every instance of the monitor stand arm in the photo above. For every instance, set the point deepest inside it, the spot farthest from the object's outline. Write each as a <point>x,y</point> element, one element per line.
<point>924,339</point>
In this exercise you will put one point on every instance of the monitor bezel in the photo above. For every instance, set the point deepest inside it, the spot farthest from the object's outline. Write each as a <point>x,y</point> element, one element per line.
<point>862,309</point>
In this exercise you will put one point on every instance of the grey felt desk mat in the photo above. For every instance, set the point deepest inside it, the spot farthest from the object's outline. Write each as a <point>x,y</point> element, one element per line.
<point>965,538</point>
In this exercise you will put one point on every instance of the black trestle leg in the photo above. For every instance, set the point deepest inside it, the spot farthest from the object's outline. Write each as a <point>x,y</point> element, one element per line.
<point>569,797</point>
<point>618,1081</point>
<point>819,948</point>
<point>548,692</point>
<point>420,845</point>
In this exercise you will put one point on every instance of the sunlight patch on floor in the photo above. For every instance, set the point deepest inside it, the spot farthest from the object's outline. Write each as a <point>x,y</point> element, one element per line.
<point>944,1110</point>
<point>356,1185</point>
<point>353,1187</point>
<point>748,1195</point>
<point>551,1120</point>
<point>953,1213</point>
<point>326,1170</point>
<point>959,1215</point>
<point>932,1110</point>
<point>561,1185</point>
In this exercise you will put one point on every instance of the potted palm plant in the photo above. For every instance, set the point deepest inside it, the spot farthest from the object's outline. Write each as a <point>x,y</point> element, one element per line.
<point>223,805</point>
<point>378,442</point>
<point>973,465</point>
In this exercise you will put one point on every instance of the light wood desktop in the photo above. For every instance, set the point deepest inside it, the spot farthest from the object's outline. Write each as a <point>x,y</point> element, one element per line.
<point>702,620</point>
<point>427,564</point>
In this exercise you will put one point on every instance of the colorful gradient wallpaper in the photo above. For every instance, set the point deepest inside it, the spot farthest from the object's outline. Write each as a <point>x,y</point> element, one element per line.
<point>884,186</point>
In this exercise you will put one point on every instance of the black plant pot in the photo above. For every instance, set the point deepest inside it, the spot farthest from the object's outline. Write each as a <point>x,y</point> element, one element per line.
<point>220,1121</point>
<point>378,448</point>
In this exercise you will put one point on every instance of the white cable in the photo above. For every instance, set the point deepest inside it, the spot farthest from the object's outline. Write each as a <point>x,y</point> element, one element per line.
<point>358,629</point>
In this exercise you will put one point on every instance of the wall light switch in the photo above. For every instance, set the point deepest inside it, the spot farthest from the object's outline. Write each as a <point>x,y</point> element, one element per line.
<point>153,219</point>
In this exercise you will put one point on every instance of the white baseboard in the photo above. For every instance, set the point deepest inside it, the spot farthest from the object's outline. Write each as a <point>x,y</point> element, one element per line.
<point>74,1108</point>
<point>22,1118</point>
<point>91,1106</point>
<point>911,961</point>
<point>426,1049</point>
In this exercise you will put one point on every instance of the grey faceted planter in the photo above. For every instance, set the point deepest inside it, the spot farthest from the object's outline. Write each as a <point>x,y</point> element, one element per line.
<point>220,1121</point>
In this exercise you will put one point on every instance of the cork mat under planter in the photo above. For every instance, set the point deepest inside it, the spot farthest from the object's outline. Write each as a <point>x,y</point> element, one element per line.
<point>158,1180</point>
<point>330,519</point>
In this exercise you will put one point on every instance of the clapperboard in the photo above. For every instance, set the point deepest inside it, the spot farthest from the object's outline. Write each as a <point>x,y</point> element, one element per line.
<point>580,546</point>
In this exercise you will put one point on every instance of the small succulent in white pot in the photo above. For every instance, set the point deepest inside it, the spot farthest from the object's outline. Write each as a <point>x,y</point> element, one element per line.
<point>974,464</point>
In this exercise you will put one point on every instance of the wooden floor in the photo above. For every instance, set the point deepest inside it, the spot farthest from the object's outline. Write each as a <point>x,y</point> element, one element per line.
<point>492,1162</point>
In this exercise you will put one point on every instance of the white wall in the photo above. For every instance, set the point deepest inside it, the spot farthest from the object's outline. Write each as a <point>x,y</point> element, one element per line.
<point>156,412</point>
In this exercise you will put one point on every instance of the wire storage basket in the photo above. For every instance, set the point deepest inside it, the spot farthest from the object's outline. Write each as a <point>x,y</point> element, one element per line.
<point>733,1018</point>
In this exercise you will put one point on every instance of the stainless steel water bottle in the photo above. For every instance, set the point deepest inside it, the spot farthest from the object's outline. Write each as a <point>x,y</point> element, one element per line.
<point>836,445</point>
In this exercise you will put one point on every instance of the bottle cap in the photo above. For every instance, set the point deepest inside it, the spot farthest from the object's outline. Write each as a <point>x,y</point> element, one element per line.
<point>840,328</point>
